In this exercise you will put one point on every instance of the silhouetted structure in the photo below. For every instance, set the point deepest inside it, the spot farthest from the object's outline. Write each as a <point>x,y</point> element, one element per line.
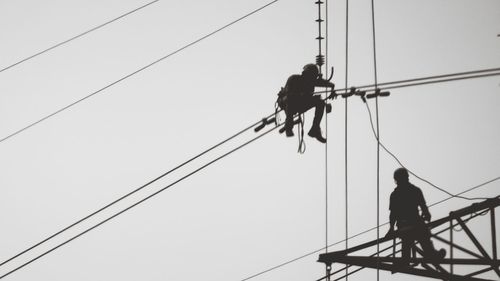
<point>298,96</point>
<point>406,199</point>
<point>474,259</point>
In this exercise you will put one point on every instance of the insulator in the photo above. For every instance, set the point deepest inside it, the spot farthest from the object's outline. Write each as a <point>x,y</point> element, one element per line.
<point>320,60</point>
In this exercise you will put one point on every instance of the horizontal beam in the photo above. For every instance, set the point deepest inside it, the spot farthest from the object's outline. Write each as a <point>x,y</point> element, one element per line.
<point>378,264</point>
<point>423,260</point>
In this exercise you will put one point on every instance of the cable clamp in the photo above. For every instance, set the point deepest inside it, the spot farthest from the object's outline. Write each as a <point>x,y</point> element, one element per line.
<point>264,122</point>
<point>378,93</point>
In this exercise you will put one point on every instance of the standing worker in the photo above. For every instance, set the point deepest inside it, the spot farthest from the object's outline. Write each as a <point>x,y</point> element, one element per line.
<point>406,199</point>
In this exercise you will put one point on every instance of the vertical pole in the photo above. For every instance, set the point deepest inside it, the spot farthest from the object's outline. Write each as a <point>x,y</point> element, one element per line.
<point>493,234</point>
<point>451,244</point>
<point>319,62</point>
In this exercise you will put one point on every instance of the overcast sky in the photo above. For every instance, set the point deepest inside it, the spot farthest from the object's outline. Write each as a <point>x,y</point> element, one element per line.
<point>265,204</point>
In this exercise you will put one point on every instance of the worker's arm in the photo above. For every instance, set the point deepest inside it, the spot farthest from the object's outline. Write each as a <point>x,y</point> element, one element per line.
<point>392,222</point>
<point>324,83</point>
<point>392,219</point>
<point>426,215</point>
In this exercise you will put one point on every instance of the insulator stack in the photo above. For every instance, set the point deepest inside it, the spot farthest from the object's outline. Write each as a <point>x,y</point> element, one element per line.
<point>320,58</point>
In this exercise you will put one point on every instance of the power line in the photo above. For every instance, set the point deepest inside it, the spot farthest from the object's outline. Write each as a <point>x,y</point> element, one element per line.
<point>130,193</point>
<point>78,36</point>
<point>432,77</point>
<point>137,71</point>
<point>361,233</point>
<point>139,202</point>
<point>409,171</point>
<point>432,80</point>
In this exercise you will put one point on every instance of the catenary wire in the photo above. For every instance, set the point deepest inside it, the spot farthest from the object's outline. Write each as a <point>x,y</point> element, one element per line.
<point>136,71</point>
<point>138,202</point>
<point>78,36</point>
<point>402,165</point>
<point>130,193</point>
<point>361,233</point>
<point>434,80</point>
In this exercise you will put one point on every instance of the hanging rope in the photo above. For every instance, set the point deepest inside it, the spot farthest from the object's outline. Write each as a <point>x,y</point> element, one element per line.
<point>300,125</point>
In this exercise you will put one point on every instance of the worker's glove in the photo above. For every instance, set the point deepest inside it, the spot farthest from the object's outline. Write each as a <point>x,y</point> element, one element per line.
<point>333,95</point>
<point>426,216</point>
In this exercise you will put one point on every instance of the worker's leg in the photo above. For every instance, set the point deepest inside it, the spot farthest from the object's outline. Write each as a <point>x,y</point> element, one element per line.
<point>319,106</point>
<point>424,238</point>
<point>290,110</point>
<point>406,245</point>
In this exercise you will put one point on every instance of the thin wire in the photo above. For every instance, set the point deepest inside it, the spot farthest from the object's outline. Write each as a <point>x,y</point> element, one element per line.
<point>378,132</point>
<point>363,232</point>
<point>139,70</point>
<point>78,36</point>
<point>433,77</point>
<point>129,194</point>
<point>346,131</point>
<point>139,202</point>
<point>396,86</point>
<point>326,131</point>
<point>410,171</point>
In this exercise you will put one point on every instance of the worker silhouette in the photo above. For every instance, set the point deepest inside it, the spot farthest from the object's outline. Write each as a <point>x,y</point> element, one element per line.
<point>298,96</point>
<point>406,199</point>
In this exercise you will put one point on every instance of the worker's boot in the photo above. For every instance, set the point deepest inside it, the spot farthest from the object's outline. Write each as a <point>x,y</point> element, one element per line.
<point>289,127</point>
<point>315,132</point>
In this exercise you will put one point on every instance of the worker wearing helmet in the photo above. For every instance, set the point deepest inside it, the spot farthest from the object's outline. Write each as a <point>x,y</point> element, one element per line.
<point>297,97</point>
<point>405,202</point>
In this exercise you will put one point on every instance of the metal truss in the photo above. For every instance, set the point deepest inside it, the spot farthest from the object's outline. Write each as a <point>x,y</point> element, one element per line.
<point>478,260</point>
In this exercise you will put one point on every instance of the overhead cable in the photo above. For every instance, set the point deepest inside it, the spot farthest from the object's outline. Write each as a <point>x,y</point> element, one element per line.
<point>410,171</point>
<point>128,194</point>
<point>78,36</point>
<point>138,202</point>
<point>137,71</point>
<point>482,73</point>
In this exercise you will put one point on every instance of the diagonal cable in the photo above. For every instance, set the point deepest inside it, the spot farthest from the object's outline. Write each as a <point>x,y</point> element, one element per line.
<point>138,202</point>
<point>128,194</point>
<point>135,72</point>
<point>78,36</point>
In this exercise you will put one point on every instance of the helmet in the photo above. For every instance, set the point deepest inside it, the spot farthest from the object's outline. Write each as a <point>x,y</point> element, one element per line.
<point>401,175</point>
<point>310,70</point>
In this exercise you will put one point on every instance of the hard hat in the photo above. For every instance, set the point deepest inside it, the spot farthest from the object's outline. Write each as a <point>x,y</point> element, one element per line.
<point>310,69</point>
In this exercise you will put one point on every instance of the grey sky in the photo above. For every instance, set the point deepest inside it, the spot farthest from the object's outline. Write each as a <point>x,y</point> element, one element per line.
<point>264,204</point>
